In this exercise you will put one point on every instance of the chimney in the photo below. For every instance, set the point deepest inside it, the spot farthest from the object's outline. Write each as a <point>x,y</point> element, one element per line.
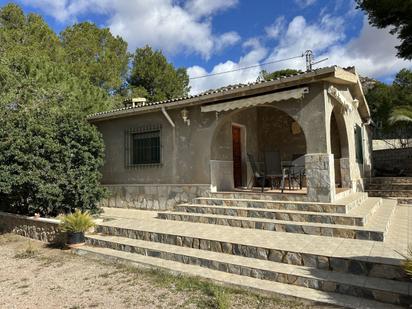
<point>134,102</point>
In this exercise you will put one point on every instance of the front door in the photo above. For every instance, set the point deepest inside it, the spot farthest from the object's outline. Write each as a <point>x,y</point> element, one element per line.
<point>237,156</point>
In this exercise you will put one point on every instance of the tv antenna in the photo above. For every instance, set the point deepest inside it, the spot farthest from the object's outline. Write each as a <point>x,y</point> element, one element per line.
<point>310,60</point>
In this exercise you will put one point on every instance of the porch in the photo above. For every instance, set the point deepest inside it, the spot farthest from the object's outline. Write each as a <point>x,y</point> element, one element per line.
<point>252,146</point>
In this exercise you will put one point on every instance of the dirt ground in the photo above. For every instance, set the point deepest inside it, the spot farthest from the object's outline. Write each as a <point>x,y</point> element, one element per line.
<point>33,275</point>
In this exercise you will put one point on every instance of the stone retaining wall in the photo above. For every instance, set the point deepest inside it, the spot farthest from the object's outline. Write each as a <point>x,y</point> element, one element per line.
<point>153,196</point>
<point>390,159</point>
<point>42,229</point>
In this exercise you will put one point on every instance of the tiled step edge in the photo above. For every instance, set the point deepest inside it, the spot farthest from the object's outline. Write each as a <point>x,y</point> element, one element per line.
<point>264,213</point>
<point>320,229</point>
<point>391,193</point>
<point>338,264</point>
<point>390,291</point>
<point>271,204</point>
<point>232,280</point>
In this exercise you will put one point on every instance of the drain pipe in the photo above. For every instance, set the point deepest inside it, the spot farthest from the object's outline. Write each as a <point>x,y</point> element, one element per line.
<point>168,116</point>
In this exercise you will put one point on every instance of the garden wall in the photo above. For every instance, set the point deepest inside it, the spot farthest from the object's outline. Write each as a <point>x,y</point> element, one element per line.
<point>42,229</point>
<point>153,196</point>
<point>393,159</point>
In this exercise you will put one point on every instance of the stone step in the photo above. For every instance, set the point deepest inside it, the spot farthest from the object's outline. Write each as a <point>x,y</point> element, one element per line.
<point>265,287</point>
<point>343,205</point>
<point>358,219</point>
<point>391,193</point>
<point>391,180</point>
<point>391,187</point>
<point>384,290</point>
<point>360,257</point>
<point>320,229</point>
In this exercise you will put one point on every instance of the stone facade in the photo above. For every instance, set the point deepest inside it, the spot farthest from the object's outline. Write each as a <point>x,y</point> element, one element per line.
<point>320,176</point>
<point>151,196</point>
<point>42,229</point>
<point>313,124</point>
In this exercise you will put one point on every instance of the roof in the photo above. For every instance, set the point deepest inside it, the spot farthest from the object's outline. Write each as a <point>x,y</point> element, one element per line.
<point>333,74</point>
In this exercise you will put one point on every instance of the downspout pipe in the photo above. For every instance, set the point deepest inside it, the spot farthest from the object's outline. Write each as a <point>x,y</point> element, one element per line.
<point>167,116</point>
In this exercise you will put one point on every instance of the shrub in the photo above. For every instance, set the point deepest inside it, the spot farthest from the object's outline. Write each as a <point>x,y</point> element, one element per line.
<point>407,266</point>
<point>49,162</point>
<point>77,222</point>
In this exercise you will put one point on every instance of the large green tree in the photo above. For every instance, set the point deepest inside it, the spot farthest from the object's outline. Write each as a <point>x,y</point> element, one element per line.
<point>155,78</point>
<point>96,52</point>
<point>396,14</point>
<point>391,105</point>
<point>49,155</point>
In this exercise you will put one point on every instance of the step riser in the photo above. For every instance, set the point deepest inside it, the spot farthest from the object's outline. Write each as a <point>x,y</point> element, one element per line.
<point>278,227</point>
<point>310,282</point>
<point>407,187</point>
<point>273,205</point>
<point>391,180</point>
<point>400,194</point>
<point>250,213</point>
<point>299,206</point>
<point>322,262</point>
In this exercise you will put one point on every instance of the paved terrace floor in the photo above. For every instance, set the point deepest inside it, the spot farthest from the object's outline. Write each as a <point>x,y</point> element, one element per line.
<point>391,251</point>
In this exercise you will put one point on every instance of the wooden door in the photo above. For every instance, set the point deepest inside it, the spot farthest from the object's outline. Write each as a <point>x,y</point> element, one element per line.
<point>237,156</point>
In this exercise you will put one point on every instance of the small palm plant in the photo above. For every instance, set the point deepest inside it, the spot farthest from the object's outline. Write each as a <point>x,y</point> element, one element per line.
<point>401,114</point>
<point>407,265</point>
<point>75,225</point>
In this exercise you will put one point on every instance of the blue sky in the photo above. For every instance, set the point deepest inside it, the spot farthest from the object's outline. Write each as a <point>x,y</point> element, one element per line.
<point>212,36</point>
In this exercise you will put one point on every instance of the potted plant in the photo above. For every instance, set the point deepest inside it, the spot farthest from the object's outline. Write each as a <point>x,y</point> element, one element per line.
<point>75,225</point>
<point>407,265</point>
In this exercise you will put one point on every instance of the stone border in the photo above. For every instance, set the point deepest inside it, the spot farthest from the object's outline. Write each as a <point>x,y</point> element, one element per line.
<point>324,284</point>
<point>152,196</point>
<point>43,229</point>
<point>357,267</point>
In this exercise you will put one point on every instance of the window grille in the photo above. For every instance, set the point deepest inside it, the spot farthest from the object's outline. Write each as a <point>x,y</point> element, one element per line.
<point>143,146</point>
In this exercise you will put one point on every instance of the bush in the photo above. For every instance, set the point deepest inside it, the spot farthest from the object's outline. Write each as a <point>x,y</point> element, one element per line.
<point>77,222</point>
<point>49,162</point>
<point>407,266</point>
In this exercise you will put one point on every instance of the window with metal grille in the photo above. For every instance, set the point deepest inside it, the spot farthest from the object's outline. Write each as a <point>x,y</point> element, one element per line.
<point>143,146</point>
<point>146,148</point>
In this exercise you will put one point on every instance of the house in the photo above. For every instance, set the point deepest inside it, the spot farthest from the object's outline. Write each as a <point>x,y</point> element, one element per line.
<point>162,153</point>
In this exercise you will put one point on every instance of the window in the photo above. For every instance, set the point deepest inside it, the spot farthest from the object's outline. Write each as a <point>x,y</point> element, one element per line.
<point>143,147</point>
<point>358,144</point>
<point>146,148</point>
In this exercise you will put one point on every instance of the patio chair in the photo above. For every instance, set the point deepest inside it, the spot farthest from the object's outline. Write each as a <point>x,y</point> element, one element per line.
<point>258,176</point>
<point>298,169</point>
<point>274,171</point>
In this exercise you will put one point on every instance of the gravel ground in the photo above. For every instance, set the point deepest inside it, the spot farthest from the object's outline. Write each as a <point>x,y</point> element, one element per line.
<point>33,275</point>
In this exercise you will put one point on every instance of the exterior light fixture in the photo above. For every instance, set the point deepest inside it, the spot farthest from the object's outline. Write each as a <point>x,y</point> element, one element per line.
<point>185,116</point>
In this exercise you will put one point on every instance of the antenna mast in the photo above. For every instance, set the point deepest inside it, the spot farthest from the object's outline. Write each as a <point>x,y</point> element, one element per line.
<point>309,60</point>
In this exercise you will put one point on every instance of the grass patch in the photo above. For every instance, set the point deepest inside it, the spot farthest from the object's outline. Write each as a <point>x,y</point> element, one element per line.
<point>27,253</point>
<point>9,238</point>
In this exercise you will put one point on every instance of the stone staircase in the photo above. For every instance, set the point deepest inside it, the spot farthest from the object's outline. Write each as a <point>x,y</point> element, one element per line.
<point>334,253</point>
<point>399,188</point>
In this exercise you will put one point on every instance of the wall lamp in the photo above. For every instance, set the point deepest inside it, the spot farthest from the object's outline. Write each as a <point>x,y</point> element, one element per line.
<point>185,116</point>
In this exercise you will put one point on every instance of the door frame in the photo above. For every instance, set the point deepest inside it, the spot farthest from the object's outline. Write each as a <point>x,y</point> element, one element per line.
<point>243,153</point>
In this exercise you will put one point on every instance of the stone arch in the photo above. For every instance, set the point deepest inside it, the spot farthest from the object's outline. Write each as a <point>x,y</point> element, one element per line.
<point>256,139</point>
<point>339,147</point>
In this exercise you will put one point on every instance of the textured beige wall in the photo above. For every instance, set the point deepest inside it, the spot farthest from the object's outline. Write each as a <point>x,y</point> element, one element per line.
<point>202,152</point>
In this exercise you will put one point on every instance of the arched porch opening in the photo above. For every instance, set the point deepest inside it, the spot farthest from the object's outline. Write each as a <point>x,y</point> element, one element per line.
<point>339,148</point>
<point>257,132</point>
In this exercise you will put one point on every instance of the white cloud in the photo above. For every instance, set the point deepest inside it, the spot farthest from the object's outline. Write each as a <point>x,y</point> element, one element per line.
<point>305,3</point>
<point>255,54</point>
<point>164,24</point>
<point>274,30</point>
<point>373,53</point>
<point>201,8</point>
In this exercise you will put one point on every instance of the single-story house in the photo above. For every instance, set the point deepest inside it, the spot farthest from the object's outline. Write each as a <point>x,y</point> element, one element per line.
<point>162,153</point>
